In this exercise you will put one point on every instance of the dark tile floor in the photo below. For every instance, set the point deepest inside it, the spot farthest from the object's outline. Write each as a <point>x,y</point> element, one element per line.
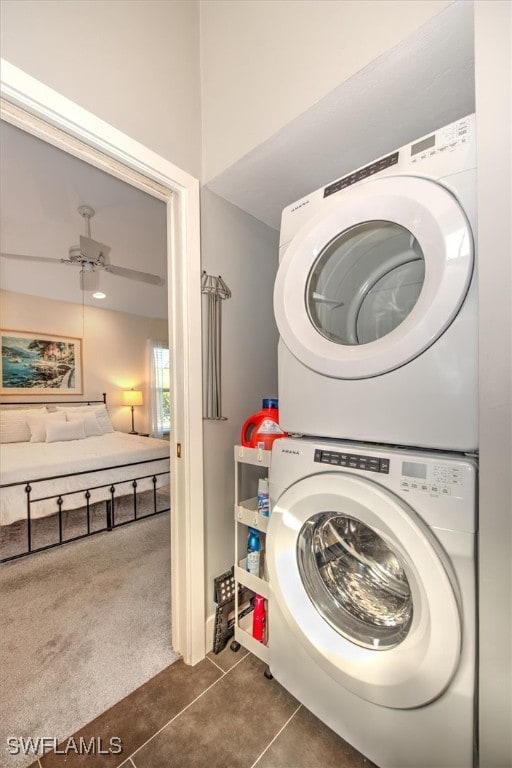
<point>222,713</point>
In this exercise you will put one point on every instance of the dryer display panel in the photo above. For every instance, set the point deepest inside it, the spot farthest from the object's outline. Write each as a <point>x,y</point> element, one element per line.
<point>365,282</point>
<point>354,580</point>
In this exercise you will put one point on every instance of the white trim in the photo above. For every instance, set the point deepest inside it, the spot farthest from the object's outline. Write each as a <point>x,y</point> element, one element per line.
<point>209,628</point>
<point>40,110</point>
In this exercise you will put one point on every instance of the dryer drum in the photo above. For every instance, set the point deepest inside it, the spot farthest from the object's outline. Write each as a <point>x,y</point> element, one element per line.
<point>354,580</point>
<point>365,282</point>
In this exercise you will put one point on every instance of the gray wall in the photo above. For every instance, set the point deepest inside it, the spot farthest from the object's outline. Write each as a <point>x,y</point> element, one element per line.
<point>265,63</point>
<point>245,252</point>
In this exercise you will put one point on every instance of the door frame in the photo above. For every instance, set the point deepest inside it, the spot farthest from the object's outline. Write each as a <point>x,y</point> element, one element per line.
<point>37,109</point>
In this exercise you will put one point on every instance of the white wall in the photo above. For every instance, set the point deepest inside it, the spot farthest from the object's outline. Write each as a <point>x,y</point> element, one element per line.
<point>113,347</point>
<point>134,63</point>
<point>493,60</point>
<point>264,63</point>
<point>245,252</point>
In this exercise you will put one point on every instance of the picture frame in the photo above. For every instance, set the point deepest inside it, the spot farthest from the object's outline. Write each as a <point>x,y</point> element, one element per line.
<point>33,363</point>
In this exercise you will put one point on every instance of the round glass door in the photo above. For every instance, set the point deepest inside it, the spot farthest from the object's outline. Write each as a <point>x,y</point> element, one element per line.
<point>365,282</point>
<point>354,580</point>
<point>374,278</point>
<point>362,584</point>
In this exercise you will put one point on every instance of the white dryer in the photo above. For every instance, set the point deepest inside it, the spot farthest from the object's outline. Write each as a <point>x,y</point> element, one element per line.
<point>376,300</point>
<point>372,605</point>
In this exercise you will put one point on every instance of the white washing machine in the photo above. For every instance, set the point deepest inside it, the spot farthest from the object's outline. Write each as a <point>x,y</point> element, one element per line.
<point>376,300</point>
<point>372,606</point>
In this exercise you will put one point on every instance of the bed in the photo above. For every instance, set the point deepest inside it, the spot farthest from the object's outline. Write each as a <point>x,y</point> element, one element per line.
<point>65,473</point>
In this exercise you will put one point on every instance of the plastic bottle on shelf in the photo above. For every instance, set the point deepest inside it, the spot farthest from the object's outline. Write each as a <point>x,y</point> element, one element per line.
<point>259,619</point>
<point>263,500</point>
<point>253,552</point>
<point>262,428</point>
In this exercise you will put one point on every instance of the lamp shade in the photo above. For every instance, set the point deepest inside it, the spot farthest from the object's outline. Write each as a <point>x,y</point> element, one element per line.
<point>132,397</point>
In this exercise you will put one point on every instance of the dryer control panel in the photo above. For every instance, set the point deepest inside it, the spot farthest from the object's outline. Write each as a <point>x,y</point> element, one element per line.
<point>362,173</point>
<point>441,153</point>
<point>445,140</point>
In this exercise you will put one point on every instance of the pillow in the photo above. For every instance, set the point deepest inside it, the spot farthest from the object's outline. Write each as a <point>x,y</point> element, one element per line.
<point>14,426</point>
<point>90,422</point>
<point>38,422</point>
<point>100,411</point>
<point>64,430</point>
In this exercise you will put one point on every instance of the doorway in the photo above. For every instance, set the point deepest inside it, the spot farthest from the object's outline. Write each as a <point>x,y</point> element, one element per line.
<point>44,113</point>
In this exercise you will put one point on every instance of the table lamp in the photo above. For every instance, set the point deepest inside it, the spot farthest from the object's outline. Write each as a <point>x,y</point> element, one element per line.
<point>132,397</point>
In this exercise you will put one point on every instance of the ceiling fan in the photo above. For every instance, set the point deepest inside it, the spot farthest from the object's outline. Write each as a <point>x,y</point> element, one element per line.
<point>91,256</point>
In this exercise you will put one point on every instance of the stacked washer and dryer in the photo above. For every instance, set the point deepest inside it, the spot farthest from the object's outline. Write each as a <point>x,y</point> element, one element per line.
<point>371,543</point>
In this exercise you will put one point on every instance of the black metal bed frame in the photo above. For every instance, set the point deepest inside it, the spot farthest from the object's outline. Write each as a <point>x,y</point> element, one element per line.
<point>110,503</point>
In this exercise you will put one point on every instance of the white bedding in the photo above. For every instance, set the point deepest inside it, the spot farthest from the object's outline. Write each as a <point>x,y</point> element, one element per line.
<point>22,462</point>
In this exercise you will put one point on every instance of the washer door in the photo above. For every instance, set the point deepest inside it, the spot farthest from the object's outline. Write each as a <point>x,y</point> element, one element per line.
<point>366,588</point>
<point>375,278</point>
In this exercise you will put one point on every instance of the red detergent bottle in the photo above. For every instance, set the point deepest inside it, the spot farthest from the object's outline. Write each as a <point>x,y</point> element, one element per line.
<point>259,619</point>
<point>262,428</point>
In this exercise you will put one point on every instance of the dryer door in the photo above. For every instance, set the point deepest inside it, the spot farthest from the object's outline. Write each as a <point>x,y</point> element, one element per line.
<point>374,279</point>
<point>364,585</point>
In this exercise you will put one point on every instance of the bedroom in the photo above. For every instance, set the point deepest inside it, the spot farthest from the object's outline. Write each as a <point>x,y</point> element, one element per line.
<point>162,133</point>
<point>39,214</point>
<point>116,339</point>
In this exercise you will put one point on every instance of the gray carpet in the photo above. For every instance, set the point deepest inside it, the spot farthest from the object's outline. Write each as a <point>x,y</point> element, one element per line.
<point>82,626</point>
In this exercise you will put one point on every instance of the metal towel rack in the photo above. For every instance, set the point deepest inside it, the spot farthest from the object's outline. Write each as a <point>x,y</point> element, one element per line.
<point>216,291</point>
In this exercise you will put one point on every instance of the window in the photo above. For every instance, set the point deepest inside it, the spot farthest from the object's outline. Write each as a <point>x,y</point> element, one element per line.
<point>160,401</point>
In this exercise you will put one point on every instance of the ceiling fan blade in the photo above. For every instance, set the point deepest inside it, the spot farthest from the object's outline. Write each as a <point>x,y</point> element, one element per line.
<point>25,257</point>
<point>133,274</point>
<point>93,251</point>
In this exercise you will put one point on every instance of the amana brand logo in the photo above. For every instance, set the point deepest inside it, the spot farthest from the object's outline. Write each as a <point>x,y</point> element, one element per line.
<point>300,205</point>
<point>290,450</point>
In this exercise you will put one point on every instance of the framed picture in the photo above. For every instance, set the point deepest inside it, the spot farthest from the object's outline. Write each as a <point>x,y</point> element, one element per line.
<point>38,364</point>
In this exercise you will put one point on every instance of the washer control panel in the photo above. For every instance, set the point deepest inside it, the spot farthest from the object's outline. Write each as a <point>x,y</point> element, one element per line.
<point>352,460</point>
<point>440,479</point>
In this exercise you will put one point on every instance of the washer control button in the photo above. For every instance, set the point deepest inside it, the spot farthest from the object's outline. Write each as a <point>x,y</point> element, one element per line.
<point>352,460</point>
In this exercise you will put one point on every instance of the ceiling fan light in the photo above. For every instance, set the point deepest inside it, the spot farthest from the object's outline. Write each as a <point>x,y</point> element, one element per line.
<point>89,280</point>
